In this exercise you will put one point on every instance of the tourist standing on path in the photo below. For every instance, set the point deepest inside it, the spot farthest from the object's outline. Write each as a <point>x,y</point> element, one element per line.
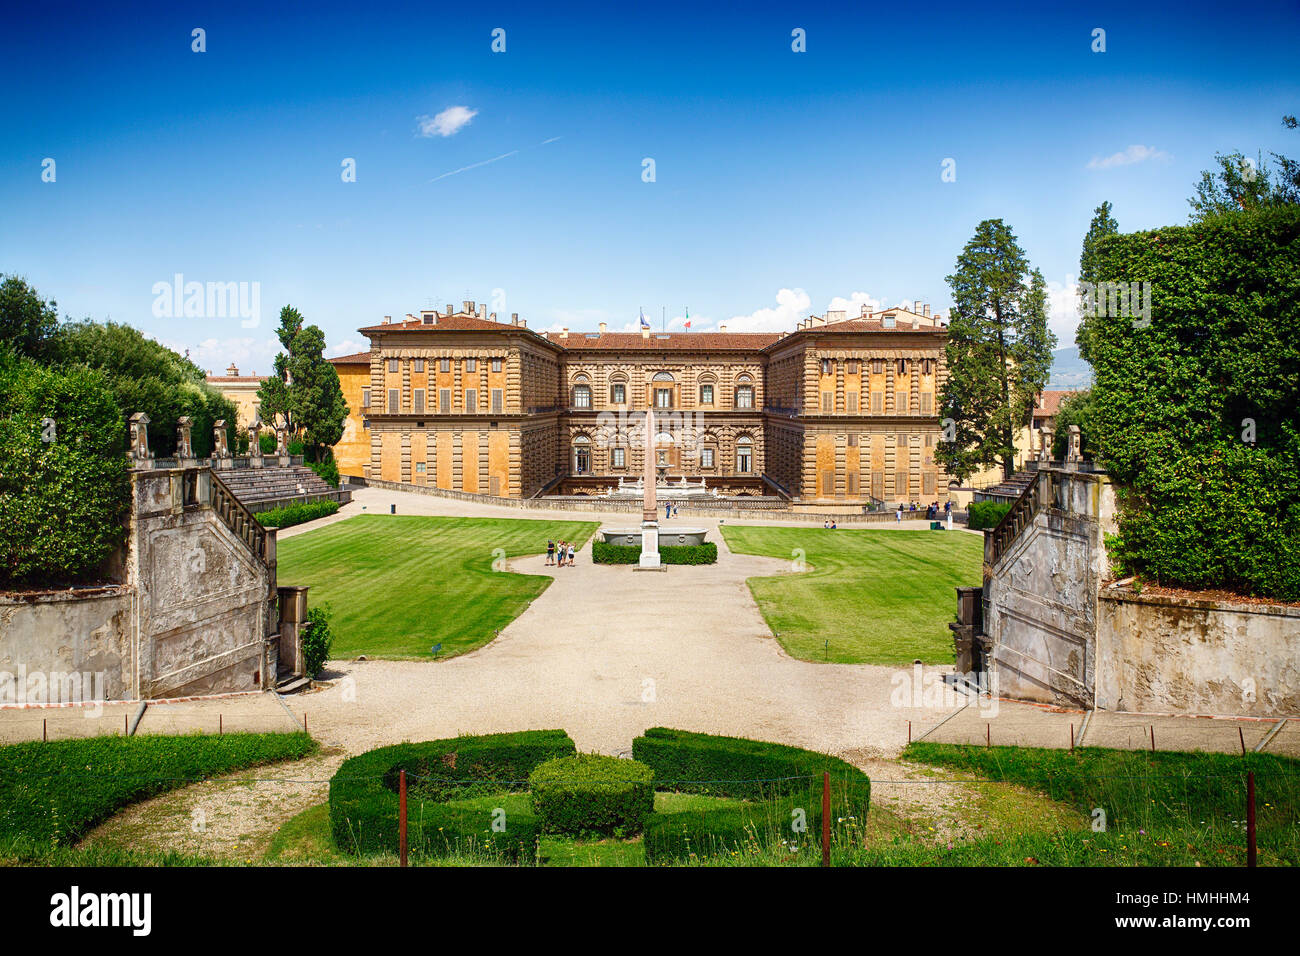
<point>900,514</point>
<point>550,553</point>
<point>560,555</point>
<point>570,555</point>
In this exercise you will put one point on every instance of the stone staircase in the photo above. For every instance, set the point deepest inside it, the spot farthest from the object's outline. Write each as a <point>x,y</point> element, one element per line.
<point>260,489</point>
<point>1009,489</point>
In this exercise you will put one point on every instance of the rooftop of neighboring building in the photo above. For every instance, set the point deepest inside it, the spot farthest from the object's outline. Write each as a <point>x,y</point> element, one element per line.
<point>1049,402</point>
<point>232,377</point>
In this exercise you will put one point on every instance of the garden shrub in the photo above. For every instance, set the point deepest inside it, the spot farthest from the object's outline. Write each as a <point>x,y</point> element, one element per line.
<point>592,794</point>
<point>986,514</point>
<point>146,376</point>
<point>317,639</point>
<point>1197,414</point>
<point>777,779</point>
<point>328,470</point>
<point>605,553</point>
<point>363,794</point>
<point>296,513</point>
<point>64,490</point>
<point>54,793</point>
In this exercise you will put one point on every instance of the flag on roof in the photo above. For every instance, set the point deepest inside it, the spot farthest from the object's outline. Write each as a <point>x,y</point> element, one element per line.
<point>688,319</point>
<point>644,323</point>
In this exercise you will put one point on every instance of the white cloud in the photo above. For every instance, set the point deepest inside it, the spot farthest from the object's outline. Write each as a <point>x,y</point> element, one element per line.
<point>852,306</point>
<point>791,304</point>
<point>347,347</point>
<point>1134,154</point>
<point>447,123</point>
<point>1063,310</point>
<point>253,356</point>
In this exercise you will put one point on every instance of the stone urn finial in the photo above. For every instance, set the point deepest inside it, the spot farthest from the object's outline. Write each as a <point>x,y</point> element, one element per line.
<point>139,453</point>
<point>220,447</point>
<point>184,447</point>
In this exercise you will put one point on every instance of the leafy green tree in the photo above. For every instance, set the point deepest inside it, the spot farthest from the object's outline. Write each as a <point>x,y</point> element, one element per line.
<point>1103,224</point>
<point>999,352</point>
<point>64,490</point>
<point>148,377</point>
<point>26,320</point>
<point>305,388</point>
<point>1241,183</point>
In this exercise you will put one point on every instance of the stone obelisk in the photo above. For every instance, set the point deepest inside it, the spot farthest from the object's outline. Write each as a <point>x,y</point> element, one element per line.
<point>650,509</point>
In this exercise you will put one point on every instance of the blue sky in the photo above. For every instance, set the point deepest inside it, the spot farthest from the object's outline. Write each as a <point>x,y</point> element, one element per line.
<point>784,181</point>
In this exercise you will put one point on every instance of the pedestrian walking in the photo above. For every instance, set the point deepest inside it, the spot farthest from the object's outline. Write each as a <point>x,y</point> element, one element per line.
<point>900,514</point>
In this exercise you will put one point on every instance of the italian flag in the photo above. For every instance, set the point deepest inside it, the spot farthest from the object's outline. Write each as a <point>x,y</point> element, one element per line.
<point>688,319</point>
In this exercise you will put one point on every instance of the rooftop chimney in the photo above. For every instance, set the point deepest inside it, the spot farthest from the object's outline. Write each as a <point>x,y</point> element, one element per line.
<point>645,333</point>
<point>602,328</point>
<point>514,318</point>
<point>926,309</point>
<point>523,323</point>
<point>493,316</point>
<point>722,328</point>
<point>564,332</point>
<point>482,310</point>
<point>467,306</point>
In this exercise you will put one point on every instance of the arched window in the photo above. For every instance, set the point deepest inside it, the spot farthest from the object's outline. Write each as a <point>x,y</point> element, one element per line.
<point>744,396</point>
<point>581,455</point>
<point>618,390</point>
<point>662,377</point>
<point>744,455</point>
<point>582,396</point>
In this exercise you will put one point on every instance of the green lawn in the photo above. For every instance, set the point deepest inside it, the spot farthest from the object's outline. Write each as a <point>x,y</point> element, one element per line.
<point>877,596</point>
<point>397,585</point>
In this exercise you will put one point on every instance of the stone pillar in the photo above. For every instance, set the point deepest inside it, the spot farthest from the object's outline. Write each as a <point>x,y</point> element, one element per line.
<point>293,617</point>
<point>255,443</point>
<point>139,454</point>
<point>220,447</point>
<point>1076,444</point>
<point>1048,436</point>
<point>282,444</point>
<point>184,447</point>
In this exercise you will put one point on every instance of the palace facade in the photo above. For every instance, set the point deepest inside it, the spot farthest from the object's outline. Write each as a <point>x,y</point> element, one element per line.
<point>840,409</point>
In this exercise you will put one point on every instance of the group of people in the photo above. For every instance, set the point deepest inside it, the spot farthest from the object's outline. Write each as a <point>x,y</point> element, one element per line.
<point>559,554</point>
<point>670,510</point>
<point>830,523</point>
<point>931,510</point>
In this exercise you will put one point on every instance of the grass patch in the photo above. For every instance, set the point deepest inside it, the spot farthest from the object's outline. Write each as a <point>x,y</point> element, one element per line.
<point>867,597</point>
<point>1161,809</point>
<point>398,585</point>
<point>52,794</point>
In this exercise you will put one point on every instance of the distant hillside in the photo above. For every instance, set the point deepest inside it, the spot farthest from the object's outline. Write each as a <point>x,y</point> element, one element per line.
<point>1069,370</point>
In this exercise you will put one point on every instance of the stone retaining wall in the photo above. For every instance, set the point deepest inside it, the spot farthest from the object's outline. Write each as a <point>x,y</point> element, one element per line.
<point>1159,653</point>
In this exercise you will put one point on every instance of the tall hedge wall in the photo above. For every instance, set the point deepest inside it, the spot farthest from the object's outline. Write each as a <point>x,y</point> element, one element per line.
<point>1178,402</point>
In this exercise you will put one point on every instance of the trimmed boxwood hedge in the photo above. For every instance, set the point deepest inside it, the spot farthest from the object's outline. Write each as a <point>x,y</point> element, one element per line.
<point>592,794</point>
<point>604,553</point>
<point>296,513</point>
<point>778,779</point>
<point>986,514</point>
<point>364,805</point>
